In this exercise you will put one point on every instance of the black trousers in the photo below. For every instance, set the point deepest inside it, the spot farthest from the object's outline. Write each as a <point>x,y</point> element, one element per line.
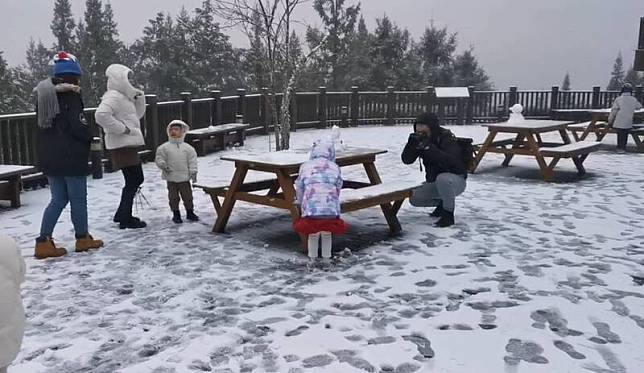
<point>622,138</point>
<point>133,176</point>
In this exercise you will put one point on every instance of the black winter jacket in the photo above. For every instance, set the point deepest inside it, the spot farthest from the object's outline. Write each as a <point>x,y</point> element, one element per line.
<point>444,155</point>
<point>63,149</point>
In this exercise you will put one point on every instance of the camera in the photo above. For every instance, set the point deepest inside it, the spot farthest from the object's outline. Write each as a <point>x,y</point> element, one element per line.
<point>420,140</point>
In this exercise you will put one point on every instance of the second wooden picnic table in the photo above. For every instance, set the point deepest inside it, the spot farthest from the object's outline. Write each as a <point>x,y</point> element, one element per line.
<point>285,166</point>
<point>527,140</point>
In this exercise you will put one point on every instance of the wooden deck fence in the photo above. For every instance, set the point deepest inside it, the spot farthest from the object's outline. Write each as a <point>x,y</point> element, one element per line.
<point>318,109</point>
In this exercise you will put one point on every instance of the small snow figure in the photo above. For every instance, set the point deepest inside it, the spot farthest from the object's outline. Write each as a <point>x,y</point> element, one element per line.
<point>516,115</point>
<point>337,139</point>
<point>318,194</point>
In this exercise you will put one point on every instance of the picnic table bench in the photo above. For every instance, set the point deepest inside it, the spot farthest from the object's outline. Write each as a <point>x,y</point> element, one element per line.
<point>10,182</point>
<point>528,141</point>
<point>279,191</point>
<point>214,138</point>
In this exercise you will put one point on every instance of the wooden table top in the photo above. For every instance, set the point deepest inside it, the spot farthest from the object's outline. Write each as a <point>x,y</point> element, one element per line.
<point>531,125</point>
<point>295,157</point>
<point>10,170</point>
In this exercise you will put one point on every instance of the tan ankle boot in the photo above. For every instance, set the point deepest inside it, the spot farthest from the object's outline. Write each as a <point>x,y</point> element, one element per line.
<point>87,243</point>
<point>47,249</point>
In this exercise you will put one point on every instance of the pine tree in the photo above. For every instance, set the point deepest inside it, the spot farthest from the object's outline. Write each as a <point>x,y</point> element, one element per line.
<point>98,47</point>
<point>389,52</point>
<point>339,23</point>
<point>436,49</point>
<point>565,86</point>
<point>468,72</point>
<point>63,26</point>
<point>254,57</point>
<point>633,77</point>
<point>617,75</point>
<point>12,98</point>
<point>37,65</point>
<point>359,60</point>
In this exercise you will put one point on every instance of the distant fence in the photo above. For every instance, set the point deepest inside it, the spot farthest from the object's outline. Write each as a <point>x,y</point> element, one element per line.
<point>318,109</point>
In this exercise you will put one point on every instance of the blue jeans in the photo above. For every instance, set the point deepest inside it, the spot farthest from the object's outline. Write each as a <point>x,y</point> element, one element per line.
<point>64,189</point>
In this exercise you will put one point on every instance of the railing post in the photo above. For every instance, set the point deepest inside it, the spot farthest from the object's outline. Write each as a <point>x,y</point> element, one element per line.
<point>391,106</point>
<point>470,106</point>
<point>596,96</point>
<point>293,108</point>
<point>186,108</point>
<point>152,121</point>
<point>639,93</point>
<point>431,98</point>
<point>265,110</point>
<point>322,102</point>
<point>215,108</point>
<point>96,156</point>
<point>512,100</point>
<point>241,103</point>
<point>554,99</point>
<point>355,105</point>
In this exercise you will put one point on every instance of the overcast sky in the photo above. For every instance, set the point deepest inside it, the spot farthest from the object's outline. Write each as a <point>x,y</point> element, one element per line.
<point>526,43</point>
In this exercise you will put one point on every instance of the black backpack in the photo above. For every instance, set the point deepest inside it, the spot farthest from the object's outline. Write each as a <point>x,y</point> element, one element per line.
<point>467,150</point>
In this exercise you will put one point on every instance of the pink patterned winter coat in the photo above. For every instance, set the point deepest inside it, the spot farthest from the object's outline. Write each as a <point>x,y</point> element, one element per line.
<point>319,182</point>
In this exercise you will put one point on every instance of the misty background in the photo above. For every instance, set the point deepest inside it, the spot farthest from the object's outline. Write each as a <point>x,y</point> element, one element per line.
<point>531,44</point>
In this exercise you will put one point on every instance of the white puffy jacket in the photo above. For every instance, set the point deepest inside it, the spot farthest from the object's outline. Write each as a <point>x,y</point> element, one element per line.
<point>176,159</point>
<point>621,115</point>
<point>12,313</point>
<point>122,106</point>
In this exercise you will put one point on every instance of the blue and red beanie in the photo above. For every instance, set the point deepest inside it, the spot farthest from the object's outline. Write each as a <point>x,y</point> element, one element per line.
<point>66,64</point>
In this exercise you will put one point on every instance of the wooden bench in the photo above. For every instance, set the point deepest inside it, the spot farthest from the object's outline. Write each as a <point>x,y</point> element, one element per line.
<point>356,196</point>
<point>10,182</point>
<point>215,138</point>
<point>600,130</point>
<point>577,151</point>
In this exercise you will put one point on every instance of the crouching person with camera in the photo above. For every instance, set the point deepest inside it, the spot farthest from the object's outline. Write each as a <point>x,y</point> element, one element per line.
<point>445,168</point>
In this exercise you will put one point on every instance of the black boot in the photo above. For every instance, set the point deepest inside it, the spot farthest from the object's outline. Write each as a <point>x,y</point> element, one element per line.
<point>176,217</point>
<point>190,215</point>
<point>438,211</point>
<point>132,223</point>
<point>446,220</point>
<point>124,212</point>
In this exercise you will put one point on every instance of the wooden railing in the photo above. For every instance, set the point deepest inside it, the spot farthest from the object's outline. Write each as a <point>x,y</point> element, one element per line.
<point>318,109</point>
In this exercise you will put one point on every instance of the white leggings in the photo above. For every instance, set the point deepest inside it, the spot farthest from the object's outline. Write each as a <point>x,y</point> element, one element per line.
<point>314,241</point>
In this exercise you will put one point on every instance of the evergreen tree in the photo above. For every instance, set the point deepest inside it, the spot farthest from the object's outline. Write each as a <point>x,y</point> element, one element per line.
<point>359,59</point>
<point>254,65</point>
<point>37,66</point>
<point>468,72</point>
<point>565,86</point>
<point>98,47</point>
<point>12,98</point>
<point>435,50</point>
<point>339,21</point>
<point>214,60</point>
<point>63,26</point>
<point>617,75</point>
<point>389,52</point>
<point>634,77</point>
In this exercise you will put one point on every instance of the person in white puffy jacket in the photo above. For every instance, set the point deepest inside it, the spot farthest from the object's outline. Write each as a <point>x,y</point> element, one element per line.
<point>178,163</point>
<point>12,313</point>
<point>119,114</point>
<point>621,115</point>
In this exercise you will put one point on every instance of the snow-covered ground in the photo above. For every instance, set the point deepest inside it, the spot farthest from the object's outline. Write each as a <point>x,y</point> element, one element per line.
<point>535,277</point>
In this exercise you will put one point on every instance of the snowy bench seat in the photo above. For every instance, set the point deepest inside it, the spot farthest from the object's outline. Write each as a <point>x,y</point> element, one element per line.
<point>214,138</point>
<point>375,195</point>
<point>570,150</point>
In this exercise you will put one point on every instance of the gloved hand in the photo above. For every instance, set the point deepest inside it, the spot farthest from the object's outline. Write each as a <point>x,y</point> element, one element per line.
<point>193,177</point>
<point>139,93</point>
<point>414,139</point>
<point>127,130</point>
<point>167,168</point>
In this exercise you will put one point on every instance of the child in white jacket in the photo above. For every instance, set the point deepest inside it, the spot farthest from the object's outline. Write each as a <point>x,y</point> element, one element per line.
<point>621,115</point>
<point>178,163</point>
<point>12,313</point>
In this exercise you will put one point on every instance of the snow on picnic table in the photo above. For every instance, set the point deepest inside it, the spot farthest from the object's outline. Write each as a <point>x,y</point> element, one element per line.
<point>534,277</point>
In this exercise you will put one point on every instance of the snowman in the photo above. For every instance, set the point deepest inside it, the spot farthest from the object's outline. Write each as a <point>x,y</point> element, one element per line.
<point>516,115</point>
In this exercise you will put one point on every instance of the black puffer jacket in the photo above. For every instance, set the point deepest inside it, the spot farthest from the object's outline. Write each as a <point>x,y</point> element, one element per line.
<point>444,154</point>
<point>63,149</point>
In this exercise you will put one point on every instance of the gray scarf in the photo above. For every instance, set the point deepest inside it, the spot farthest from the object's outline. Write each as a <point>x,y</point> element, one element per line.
<point>48,101</point>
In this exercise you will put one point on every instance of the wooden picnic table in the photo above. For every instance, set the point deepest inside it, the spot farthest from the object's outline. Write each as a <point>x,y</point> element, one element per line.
<point>284,165</point>
<point>10,180</point>
<point>526,140</point>
<point>598,125</point>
